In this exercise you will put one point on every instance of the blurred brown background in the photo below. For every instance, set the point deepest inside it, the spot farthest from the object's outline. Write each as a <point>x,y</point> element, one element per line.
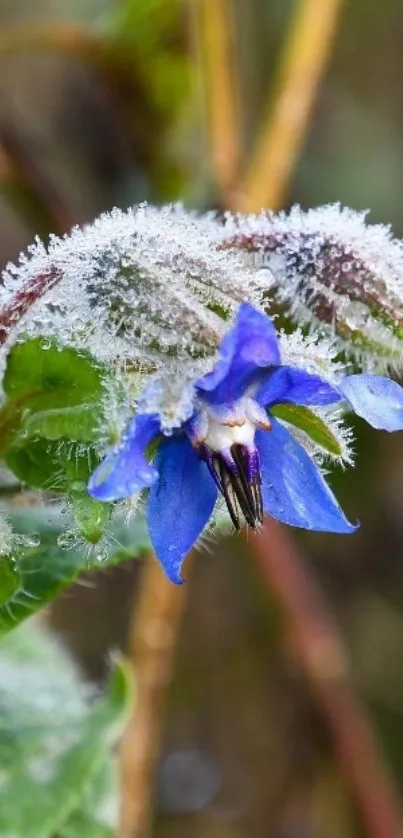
<point>84,128</point>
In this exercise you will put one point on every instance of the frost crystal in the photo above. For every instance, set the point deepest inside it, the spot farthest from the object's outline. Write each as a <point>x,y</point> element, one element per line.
<point>332,269</point>
<point>143,286</point>
<point>170,397</point>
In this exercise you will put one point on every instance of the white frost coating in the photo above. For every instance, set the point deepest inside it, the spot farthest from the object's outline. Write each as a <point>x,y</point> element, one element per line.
<point>331,267</point>
<point>137,286</point>
<point>172,397</point>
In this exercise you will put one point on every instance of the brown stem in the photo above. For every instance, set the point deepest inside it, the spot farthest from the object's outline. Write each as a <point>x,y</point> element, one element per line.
<point>153,636</point>
<point>318,647</point>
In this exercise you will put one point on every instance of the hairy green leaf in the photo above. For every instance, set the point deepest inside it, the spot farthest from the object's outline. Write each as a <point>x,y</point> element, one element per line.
<point>308,421</point>
<point>79,423</point>
<point>53,745</point>
<point>48,376</point>
<point>43,571</point>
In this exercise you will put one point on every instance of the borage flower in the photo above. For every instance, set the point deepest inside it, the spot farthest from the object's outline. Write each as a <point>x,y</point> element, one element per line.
<point>228,442</point>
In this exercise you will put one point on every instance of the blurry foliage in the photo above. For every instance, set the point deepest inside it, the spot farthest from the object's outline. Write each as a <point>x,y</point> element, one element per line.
<point>54,781</point>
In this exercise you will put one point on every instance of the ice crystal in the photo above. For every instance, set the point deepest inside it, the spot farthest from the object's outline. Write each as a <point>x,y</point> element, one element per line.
<point>171,397</point>
<point>144,286</point>
<point>331,268</point>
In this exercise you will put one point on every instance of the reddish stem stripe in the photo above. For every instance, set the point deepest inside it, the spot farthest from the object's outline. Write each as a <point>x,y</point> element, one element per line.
<point>317,644</point>
<point>24,299</point>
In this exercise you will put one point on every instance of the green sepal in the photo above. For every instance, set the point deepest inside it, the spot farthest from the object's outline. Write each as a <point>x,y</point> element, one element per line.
<point>309,422</point>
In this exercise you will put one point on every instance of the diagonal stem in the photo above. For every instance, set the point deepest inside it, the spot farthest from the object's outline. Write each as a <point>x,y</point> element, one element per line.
<point>221,90</point>
<point>316,643</point>
<point>283,132</point>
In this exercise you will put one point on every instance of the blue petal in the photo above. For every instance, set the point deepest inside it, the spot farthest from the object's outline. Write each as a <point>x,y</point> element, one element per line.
<point>377,399</point>
<point>126,471</point>
<point>250,346</point>
<point>293,488</point>
<point>290,385</point>
<point>180,503</point>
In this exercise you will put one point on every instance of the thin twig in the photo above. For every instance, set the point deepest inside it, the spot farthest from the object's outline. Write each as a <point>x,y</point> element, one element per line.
<point>319,649</point>
<point>73,40</point>
<point>154,631</point>
<point>221,91</point>
<point>283,132</point>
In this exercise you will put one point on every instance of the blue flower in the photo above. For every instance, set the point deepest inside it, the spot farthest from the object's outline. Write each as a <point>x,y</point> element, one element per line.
<point>228,443</point>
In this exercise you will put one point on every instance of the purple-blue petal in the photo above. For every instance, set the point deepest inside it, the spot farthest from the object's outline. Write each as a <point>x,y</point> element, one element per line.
<point>376,399</point>
<point>126,471</point>
<point>249,347</point>
<point>293,488</point>
<point>180,503</point>
<point>290,385</point>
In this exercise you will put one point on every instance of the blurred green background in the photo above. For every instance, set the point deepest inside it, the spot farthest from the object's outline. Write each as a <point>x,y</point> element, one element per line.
<point>84,128</point>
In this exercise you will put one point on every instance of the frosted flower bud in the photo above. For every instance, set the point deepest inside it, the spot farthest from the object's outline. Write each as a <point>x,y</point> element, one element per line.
<point>330,268</point>
<point>143,286</point>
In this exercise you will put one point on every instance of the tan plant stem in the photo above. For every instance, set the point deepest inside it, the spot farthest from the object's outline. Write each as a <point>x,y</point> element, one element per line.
<point>283,131</point>
<point>221,90</point>
<point>153,636</point>
<point>316,643</point>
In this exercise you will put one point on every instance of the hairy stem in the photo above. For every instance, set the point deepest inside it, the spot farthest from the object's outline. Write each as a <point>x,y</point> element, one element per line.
<point>319,649</point>
<point>153,635</point>
<point>282,134</point>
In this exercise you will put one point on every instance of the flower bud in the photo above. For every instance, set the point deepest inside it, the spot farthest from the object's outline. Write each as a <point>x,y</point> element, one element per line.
<point>141,287</point>
<point>331,269</point>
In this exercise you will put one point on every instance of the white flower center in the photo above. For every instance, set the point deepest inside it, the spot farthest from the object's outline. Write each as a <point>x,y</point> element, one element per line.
<point>220,436</point>
<point>237,427</point>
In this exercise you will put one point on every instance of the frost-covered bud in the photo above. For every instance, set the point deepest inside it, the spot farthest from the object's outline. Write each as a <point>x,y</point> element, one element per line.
<point>142,286</point>
<point>330,268</point>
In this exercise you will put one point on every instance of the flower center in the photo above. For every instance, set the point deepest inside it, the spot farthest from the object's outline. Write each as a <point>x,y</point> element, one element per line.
<point>228,447</point>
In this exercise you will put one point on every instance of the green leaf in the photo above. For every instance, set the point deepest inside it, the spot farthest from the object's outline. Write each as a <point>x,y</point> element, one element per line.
<point>45,570</point>
<point>79,423</point>
<point>10,579</point>
<point>51,392</point>
<point>311,424</point>
<point>53,746</point>
<point>97,814</point>
<point>52,466</point>
<point>47,376</point>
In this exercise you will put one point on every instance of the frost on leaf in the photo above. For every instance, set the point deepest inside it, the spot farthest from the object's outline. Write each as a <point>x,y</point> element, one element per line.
<point>140,286</point>
<point>330,268</point>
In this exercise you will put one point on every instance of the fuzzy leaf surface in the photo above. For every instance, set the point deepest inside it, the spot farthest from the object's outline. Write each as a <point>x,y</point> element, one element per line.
<point>37,574</point>
<point>53,744</point>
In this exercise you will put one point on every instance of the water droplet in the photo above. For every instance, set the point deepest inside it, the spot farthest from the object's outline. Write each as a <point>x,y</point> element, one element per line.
<point>33,540</point>
<point>66,540</point>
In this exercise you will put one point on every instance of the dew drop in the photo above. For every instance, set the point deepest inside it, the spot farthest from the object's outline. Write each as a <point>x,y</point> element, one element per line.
<point>66,540</point>
<point>33,540</point>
